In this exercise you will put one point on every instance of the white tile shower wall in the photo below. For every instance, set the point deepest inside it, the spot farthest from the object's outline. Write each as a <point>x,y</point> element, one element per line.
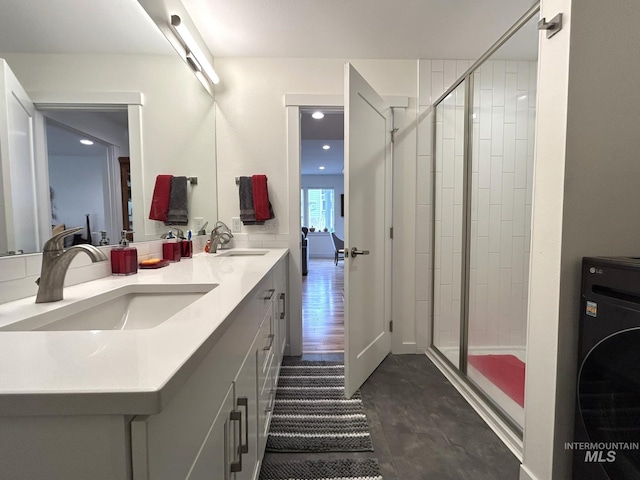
<point>449,155</point>
<point>504,121</point>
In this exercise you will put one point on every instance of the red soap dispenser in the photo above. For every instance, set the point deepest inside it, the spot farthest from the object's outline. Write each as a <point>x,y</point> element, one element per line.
<point>124,258</point>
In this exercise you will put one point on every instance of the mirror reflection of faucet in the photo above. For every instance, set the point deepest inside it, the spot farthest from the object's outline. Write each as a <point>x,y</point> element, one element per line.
<point>203,230</point>
<point>56,261</point>
<point>169,235</point>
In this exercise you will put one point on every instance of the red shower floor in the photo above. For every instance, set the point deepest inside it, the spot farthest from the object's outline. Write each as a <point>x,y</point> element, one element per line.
<point>505,371</point>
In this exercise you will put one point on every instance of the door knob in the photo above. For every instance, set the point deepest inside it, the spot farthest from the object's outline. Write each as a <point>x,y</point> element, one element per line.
<point>355,251</point>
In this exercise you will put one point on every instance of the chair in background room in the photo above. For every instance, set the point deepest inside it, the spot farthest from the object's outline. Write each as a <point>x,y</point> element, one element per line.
<point>338,247</point>
<point>305,251</point>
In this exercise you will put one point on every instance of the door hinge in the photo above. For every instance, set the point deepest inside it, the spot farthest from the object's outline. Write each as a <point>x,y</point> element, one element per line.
<point>391,325</point>
<point>391,232</point>
<point>393,135</point>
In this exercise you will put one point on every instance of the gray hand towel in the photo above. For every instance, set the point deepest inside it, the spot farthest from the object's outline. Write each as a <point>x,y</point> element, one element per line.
<point>178,213</point>
<point>247,213</point>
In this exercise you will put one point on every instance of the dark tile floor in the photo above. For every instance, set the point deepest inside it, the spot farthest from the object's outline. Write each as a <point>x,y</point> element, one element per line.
<point>422,429</point>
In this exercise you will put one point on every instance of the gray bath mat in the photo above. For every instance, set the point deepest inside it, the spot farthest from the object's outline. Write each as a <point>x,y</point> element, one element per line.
<point>343,469</point>
<point>311,413</point>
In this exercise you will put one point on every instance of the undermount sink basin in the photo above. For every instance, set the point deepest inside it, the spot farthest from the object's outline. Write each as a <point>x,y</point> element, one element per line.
<point>132,307</point>
<point>243,253</point>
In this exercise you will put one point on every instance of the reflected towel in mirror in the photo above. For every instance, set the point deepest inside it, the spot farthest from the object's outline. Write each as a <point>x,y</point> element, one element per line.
<point>178,213</point>
<point>160,199</point>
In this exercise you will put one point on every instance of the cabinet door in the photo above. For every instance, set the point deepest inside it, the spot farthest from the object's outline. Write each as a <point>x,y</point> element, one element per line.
<point>246,402</point>
<point>219,452</point>
<point>281,307</point>
<point>265,407</point>
<point>266,341</point>
<point>281,318</point>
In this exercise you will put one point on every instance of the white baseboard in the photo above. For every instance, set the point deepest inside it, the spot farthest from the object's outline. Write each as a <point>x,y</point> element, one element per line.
<point>525,474</point>
<point>405,348</point>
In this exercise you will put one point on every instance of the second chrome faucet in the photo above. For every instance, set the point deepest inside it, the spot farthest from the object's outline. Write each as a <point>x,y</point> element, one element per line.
<point>220,235</point>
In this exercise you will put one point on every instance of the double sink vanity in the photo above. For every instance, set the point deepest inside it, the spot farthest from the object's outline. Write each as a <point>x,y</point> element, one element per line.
<point>167,374</point>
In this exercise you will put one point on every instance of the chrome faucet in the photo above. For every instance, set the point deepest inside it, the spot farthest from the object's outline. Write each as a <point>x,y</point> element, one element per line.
<point>220,235</point>
<point>178,233</point>
<point>56,261</point>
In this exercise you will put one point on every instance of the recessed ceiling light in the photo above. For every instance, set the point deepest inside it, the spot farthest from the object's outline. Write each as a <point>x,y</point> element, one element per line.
<point>84,141</point>
<point>317,115</point>
<point>321,167</point>
<point>326,147</point>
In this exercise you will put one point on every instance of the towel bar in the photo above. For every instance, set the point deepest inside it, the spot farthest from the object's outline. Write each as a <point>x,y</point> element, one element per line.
<point>237,180</point>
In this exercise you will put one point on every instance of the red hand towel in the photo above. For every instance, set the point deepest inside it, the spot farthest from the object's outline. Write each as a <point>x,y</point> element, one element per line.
<point>260,197</point>
<point>160,199</point>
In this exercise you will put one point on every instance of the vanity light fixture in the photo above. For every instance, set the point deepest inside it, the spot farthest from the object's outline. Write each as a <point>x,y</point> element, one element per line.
<point>84,141</point>
<point>195,56</point>
<point>321,167</point>
<point>326,147</point>
<point>317,115</point>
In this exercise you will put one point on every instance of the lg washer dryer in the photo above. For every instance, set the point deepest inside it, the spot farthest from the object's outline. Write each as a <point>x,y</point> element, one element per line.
<point>607,424</point>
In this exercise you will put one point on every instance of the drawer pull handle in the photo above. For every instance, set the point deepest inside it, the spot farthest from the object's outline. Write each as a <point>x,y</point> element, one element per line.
<point>236,416</point>
<point>244,402</point>
<point>272,401</point>
<point>270,295</point>
<point>284,303</point>
<point>270,337</point>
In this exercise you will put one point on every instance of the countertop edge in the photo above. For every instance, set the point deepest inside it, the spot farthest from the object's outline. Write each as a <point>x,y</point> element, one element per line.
<point>129,402</point>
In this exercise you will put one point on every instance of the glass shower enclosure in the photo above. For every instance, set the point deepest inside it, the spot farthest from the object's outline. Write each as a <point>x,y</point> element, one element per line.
<point>484,134</point>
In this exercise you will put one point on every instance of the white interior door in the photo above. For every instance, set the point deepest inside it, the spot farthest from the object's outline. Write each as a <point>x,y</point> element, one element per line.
<point>18,207</point>
<point>367,181</point>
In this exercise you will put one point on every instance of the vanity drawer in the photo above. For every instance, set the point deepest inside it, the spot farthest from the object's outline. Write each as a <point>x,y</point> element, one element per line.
<point>267,343</point>
<point>165,445</point>
<point>265,407</point>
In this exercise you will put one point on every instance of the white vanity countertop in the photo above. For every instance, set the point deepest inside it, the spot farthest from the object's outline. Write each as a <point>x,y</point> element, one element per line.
<point>124,371</point>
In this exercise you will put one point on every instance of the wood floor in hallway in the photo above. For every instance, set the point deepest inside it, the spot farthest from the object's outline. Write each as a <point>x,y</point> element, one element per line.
<point>323,307</point>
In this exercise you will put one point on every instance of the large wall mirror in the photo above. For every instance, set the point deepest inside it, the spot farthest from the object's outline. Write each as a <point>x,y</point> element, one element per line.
<point>114,79</point>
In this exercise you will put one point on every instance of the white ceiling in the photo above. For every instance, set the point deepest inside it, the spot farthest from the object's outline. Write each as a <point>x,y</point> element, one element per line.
<point>315,133</point>
<point>63,140</point>
<point>454,29</point>
<point>79,26</point>
<point>66,143</point>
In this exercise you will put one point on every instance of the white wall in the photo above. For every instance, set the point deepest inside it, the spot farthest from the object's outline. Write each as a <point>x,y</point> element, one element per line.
<point>78,189</point>
<point>178,119</point>
<point>251,130</point>
<point>585,199</point>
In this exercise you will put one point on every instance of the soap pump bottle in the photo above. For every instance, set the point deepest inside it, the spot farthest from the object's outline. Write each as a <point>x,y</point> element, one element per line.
<point>124,258</point>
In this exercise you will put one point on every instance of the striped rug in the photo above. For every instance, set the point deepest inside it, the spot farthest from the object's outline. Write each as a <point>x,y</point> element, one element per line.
<point>311,413</point>
<point>340,469</point>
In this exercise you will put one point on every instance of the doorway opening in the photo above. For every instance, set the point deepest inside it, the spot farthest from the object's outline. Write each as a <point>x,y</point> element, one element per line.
<point>85,175</point>
<point>322,227</point>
